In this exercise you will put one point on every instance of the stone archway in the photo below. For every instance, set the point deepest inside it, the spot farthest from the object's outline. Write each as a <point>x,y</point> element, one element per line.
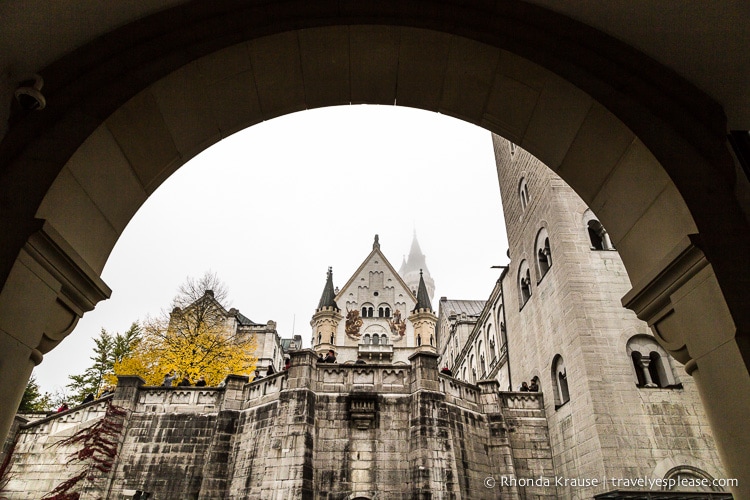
<point>644,148</point>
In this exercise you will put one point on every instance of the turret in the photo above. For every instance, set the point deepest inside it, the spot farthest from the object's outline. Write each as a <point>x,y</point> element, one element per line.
<point>423,318</point>
<point>326,318</point>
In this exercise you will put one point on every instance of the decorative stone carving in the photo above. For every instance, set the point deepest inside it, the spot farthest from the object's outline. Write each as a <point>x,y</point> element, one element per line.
<point>397,324</point>
<point>353,324</point>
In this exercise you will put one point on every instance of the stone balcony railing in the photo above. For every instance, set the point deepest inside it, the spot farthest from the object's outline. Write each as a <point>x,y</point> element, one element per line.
<point>179,399</point>
<point>375,352</point>
<point>353,378</point>
<point>70,420</point>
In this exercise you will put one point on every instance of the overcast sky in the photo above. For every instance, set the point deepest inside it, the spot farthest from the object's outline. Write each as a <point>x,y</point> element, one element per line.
<point>270,208</point>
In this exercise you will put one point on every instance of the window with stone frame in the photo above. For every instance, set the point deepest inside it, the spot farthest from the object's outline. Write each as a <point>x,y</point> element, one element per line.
<point>688,478</point>
<point>652,366</point>
<point>598,236</point>
<point>366,339</point>
<point>493,345</point>
<point>367,311</point>
<point>560,381</point>
<point>524,283</point>
<point>543,253</point>
<point>523,193</point>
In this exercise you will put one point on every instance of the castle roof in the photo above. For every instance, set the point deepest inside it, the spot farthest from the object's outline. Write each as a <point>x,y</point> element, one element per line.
<point>327,299</point>
<point>468,307</point>
<point>423,298</point>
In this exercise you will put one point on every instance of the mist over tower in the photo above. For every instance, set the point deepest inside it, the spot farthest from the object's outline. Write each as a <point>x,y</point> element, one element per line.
<point>414,266</point>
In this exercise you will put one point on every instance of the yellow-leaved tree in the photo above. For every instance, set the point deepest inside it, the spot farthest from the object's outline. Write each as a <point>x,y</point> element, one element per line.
<point>199,337</point>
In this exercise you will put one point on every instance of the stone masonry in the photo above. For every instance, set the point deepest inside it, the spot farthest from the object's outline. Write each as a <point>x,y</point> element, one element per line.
<point>327,431</point>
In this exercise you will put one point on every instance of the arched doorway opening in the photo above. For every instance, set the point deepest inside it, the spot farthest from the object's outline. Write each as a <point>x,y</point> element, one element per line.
<point>645,149</point>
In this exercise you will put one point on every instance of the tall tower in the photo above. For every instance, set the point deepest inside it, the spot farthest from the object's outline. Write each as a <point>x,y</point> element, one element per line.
<point>423,318</point>
<point>618,406</point>
<point>414,267</point>
<point>326,319</point>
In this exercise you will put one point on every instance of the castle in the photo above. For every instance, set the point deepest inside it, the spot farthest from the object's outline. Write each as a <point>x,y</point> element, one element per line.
<point>613,417</point>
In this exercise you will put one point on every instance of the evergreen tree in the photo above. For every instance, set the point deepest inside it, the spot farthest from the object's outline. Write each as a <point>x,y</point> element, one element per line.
<point>108,350</point>
<point>33,400</point>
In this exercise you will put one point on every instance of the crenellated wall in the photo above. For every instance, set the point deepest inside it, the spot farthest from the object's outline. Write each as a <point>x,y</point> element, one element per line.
<point>312,432</point>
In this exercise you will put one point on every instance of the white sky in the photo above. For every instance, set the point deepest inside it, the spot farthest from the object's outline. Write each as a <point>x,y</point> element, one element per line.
<point>270,208</point>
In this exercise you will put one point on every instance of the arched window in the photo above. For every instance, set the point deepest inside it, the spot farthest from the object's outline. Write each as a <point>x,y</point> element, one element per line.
<point>367,311</point>
<point>523,193</point>
<point>381,312</point>
<point>320,337</point>
<point>332,338</point>
<point>387,312</point>
<point>650,363</point>
<point>560,381</point>
<point>376,339</point>
<point>473,370</point>
<point>432,340</point>
<point>419,340</point>
<point>687,478</point>
<point>524,283</point>
<point>543,253</point>
<point>482,365</point>
<point>384,339</point>
<point>366,338</point>
<point>598,236</point>
<point>492,343</point>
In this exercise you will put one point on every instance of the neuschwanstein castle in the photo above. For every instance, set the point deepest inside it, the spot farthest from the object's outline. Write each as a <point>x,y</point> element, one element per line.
<point>424,399</point>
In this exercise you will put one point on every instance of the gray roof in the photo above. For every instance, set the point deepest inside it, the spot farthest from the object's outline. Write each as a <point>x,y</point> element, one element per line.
<point>423,298</point>
<point>328,296</point>
<point>470,307</point>
<point>245,321</point>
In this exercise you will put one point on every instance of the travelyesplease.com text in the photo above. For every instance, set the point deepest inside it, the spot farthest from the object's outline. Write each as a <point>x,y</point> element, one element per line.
<point>613,482</point>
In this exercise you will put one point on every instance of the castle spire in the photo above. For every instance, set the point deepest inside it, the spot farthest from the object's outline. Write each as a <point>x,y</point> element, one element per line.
<point>327,299</point>
<point>413,267</point>
<point>423,298</point>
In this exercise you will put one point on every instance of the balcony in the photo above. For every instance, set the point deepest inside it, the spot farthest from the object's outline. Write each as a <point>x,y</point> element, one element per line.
<point>376,352</point>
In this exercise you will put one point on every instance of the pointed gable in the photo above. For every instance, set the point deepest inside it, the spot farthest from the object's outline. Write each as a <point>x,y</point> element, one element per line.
<point>376,282</point>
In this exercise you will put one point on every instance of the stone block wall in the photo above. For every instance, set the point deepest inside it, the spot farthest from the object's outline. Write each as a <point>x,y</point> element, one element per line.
<point>610,427</point>
<point>39,462</point>
<point>313,432</point>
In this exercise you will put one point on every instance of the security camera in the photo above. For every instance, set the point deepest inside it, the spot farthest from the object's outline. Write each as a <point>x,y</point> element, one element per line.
<point>29,94</point>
